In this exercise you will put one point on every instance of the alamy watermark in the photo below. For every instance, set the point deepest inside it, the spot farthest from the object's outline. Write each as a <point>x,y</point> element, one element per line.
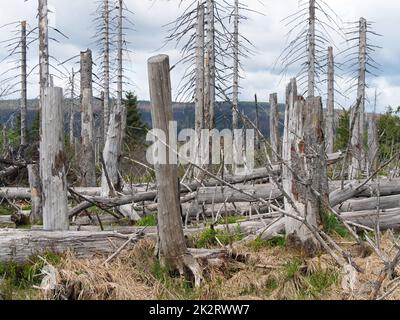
<point>207,147</point>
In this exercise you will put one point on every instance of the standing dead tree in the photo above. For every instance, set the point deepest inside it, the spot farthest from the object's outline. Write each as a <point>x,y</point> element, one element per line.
<point>313,26</point>
<point>52,162</point>
<point>87,168</point>
<point>359,63</point>
<point>117,122</point>
<point>304,155</point>
<point>330,115</point>
<point>172,245</point>
<point>275,138</point>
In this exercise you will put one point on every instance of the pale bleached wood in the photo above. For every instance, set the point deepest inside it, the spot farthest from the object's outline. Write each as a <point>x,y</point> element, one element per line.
<point>311,49</point>
<point>87,166</point>
<point>329,130</point>
<point>362,204</point>
<point>106,66</point>
<point>35,193</point>
<point>52,162</point>
<point>358,112</point>
<point>235,88</point>
<point>172,244</point>
<point>274,128</point>
<point>388,219</point>
<point>72,110</point>
<point>23,85</point>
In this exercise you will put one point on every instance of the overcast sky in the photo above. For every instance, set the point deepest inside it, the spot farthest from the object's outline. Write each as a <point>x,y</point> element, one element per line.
<point>267,32</point>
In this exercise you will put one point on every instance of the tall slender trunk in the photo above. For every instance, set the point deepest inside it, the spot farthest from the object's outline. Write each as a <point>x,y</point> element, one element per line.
<point>113,146</point>
<point>235,88</point>
<point>311,49</point>
<point>87,168</point>
<point>258,137</point>
<point>357,136</point>
<point>274,128</point>
<point>210,66</point>
<point>331,103</point>
<point>106,66</point>
<point>23,85</point>
<point>199,102</point>
<point>71,110</point>
<point>43,48</point>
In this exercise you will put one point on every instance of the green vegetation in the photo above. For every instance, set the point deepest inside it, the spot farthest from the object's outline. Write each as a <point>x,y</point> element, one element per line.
<point>18,280</point>
<point>258,243</point>
<point>389,133</point>
<point>208,238</point>
<point>136,129</point>
<point>148,221</point>
<point>333,226</point>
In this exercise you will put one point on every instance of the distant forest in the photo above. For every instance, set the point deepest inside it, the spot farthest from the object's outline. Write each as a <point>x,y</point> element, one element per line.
<point>183,114</point>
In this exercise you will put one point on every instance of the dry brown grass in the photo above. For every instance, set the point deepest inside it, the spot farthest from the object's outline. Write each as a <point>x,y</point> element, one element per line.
<point>269,273</point>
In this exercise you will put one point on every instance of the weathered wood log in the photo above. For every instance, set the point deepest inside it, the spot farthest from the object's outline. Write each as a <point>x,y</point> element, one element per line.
<point>388,219</point>
<point>52,162</point>
<point>24,99</point>
<point>19,246</point>
<point>211,195</point>
<point>372,203</point>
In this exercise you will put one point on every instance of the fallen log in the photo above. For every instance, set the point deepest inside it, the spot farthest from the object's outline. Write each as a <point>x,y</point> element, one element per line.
<point>386,202</point>
<point>388,219</point>
<point>19,246</point>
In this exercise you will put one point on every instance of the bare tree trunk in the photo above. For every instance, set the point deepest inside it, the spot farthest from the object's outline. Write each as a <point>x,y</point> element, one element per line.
<point>113,146</point>
<point>71,110</point>
<point>23,85</point>
<point>373,144</point>
<point>172,244</point>
<point>357,136</point>
<point>52,156</point>
<point>331,103</point>
<point>199,103</point>
<point>106,66</point>
<point>43,48</point>
<point>87,167</point>
<point>36,193</point>
<point>235,88</point>
<point>258,137</point>
<point>311,49</point>
<point>210,67</point>
<point>274,128</point>
<point>304,138</point>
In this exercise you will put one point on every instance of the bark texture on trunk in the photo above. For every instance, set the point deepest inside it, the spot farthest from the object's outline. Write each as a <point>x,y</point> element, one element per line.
<point>330,132</point>
<point>275,138</point>
<point>52,156</point>
<point>172,244</point>
<point>24,140</point>
<point>88,163</point>
<point>357,114</point>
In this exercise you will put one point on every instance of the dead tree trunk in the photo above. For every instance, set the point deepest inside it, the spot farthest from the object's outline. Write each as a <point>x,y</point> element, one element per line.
<point>199,80</point>
<point>330,104</point>
<point>113,146</point>
<point>373,144</point>
<point>357,113</point>
<point>36,194</point>
<point>106,66</point>
<point>172,245</point>
<point>305,155</point>
<point>71,110</point>
<point>311,49</point>
<point>52,156</point>
<point>258,137</point>
<point>210,66</point>
<point>274,128</point>
<point>235,88</point>
<point>23,85</point>
<point>87,167</point>
<point>44,72</point>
